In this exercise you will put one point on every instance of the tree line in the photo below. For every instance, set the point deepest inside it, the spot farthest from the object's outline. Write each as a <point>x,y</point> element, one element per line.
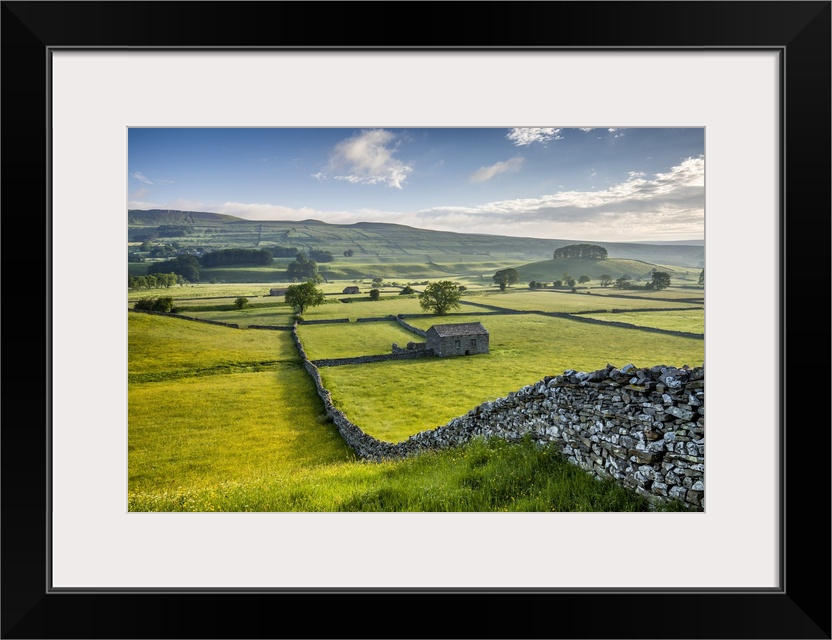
<point>581,252</point>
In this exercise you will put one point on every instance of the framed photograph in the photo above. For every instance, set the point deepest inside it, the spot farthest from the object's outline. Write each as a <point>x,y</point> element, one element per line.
<point>87,87</point>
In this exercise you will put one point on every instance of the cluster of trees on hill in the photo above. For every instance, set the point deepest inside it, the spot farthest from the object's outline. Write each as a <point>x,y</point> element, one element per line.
<point>154,281</point>
<point>185,266</point>
<point>506,277</point>
<point>225,257</point>
<point>581,252</point>
<point>165,305</point>
<point>303,269</point>
<point>174,230</point>
<point>282,252</point>
<point>319,255</point>
<point>659,280</point>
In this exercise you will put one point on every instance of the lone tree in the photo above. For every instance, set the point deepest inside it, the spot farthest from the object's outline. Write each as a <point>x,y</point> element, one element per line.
<point>241,302</point>
<point>348,253</point>
<point>605,279</point>
<point>661,280</point>
<point>440,297</point>
<point>375,294</point>
<point>304,295</point>
<point>702,278</point>
<point>584,279</point>
<point>506,277</point>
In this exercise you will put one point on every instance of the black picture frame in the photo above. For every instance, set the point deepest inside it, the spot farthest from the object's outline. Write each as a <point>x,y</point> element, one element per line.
<point>800,608</point>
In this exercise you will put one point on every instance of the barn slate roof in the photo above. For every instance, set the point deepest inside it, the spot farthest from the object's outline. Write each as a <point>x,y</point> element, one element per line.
<point>460,329</point>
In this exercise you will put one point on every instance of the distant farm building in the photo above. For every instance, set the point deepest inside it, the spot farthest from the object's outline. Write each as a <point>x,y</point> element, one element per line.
<point>277,292</point>
<point>351,290</point>
<point>463,339</point>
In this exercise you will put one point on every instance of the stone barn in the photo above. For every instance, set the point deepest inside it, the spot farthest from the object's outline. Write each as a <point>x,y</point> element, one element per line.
<point>277,291</point>
<point>351,290</point>
<point>463,339</point>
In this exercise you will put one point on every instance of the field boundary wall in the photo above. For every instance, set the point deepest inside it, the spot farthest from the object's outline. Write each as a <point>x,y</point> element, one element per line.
<point>192,319</point>
<point>642,427</point>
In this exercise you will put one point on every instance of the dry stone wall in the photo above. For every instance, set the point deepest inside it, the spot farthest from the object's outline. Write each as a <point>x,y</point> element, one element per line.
<point>644,427</point>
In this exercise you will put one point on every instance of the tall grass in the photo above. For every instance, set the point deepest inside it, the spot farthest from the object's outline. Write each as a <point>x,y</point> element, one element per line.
<point>482,476</point>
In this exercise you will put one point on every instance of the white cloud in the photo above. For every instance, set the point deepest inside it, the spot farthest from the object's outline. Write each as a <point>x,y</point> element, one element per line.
<point>486,173</point>
<point>586,129</point>
<point>612,130</point>
<point>529,135</point>
<point>367,158</point>
<point>665,206</point>
<point>138,175</point>
<point>668,205</point>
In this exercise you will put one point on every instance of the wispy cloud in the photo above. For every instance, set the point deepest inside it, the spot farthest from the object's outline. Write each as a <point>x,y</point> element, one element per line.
<point>586,129</point>
<point>486,173</point>
<point>138,175</point>
<point>139,194</point>
<point>522,137</point>
<point>367,158</point>
<point>666,205</point>
<point>673,200</point>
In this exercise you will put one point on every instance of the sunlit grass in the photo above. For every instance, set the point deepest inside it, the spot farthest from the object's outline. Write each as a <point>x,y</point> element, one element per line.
<point>692,321</point>
<point>674,294</point>
<point>281,316</point>
<point>257,439</point>
<point>364,309</point>
<point>566,302</point>
<point>353,339</point>
<point>394,400</point>
<point>483,476</point>
<point>200,431</point>
<point>160,346</point>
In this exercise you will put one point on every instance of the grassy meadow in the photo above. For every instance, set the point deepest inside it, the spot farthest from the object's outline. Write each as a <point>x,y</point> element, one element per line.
<point>567,302</point>
<point>224,419</point>
<point>353,339</point>
<point>692,320</point>
<point>429,392</point>
<point>213,426</point>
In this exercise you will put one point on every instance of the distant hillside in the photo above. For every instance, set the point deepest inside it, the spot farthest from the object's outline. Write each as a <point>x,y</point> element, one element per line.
<point>154,217</point>
<point>385,241</point>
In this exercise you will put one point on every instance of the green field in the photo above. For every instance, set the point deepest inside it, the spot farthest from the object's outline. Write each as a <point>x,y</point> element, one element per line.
<point>211,428</point>
<point>160,348</point>
<point>429,392</point>
<point>565,302</point>
<point>665,294</point>
<point>224,419</point>
<point>353,339</point>
<point>551,270</point>
<point>263,316</point>
<point>689,320</point>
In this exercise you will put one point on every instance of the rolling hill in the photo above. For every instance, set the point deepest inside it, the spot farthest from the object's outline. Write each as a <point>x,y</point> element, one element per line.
<point>385,242</point>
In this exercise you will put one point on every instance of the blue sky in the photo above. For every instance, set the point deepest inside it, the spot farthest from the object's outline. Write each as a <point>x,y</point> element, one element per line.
<point>597,184</point>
